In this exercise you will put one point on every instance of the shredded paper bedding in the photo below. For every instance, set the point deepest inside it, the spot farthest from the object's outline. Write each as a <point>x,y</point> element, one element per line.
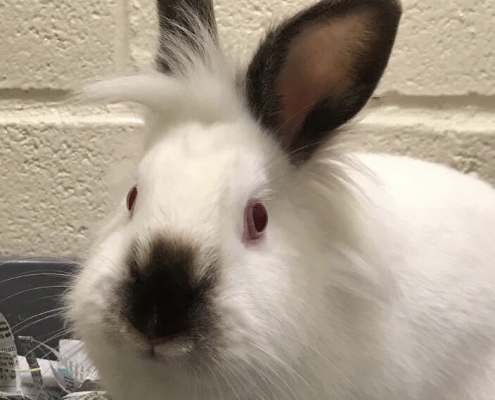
<point>27,377</point>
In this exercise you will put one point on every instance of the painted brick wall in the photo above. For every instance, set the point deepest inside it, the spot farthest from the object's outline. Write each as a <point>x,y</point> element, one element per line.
<point>436,102</point>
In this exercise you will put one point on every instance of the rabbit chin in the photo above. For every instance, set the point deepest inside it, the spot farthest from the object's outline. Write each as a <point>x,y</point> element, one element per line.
<point>128,372</point>
<point>177,370</point>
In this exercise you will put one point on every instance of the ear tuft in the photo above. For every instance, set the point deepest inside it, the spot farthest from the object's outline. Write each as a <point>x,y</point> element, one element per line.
<point>317,70</point>
<point>187,30</point>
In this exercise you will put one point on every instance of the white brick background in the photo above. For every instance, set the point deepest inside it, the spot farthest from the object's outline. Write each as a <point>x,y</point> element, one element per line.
<point>436,102</point>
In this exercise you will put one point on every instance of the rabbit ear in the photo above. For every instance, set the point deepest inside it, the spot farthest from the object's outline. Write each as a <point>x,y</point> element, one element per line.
<point>185,27</point>
<point>317,70</point>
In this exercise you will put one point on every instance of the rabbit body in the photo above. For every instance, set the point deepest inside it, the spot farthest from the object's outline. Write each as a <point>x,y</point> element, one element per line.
<point>440,225</point>
<point>258,260</point>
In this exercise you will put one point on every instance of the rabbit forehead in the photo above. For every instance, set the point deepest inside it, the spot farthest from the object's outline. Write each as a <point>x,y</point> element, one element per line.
<point>197,175</point>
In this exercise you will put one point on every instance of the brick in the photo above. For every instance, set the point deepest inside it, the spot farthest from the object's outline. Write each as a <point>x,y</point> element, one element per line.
<point>143,28</point>
<point>54,180</point>
<point>459,139</point>
<point>56,44</point>
<point>444,48</point>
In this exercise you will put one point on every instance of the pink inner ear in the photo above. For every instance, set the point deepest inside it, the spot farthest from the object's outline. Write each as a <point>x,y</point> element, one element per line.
<point>320,63</point>
<point>294,112</point>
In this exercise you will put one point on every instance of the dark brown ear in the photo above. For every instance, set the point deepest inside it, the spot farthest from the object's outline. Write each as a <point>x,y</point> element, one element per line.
<point>317,70</point>
<point>183,23</point>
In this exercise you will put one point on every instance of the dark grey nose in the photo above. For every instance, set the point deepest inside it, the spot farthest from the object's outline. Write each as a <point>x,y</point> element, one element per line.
<point>164,297</point>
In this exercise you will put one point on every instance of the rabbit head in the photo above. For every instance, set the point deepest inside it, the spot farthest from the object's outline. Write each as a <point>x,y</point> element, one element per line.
<point>226,266</point>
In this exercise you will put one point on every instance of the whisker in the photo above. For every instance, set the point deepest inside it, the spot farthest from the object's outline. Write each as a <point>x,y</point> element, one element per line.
<point>210,386</point>
<point>33,289</point>
<point>231,371</point>
<point>269,383</point>
<point>59,333</point>
<point>109,263</point>
<point>35,260</point>
<point>301,148</point>
<point>222,299</point>
<point>82,360</point>
<point>251,382</point>
<point>56,297</point>
<point>227,381</point>
<point>293,371</point>
<point>310,347</point>
<point>55,310</point>
<point>219,386</point>
<point>273,370</point>
<point>30,274</point>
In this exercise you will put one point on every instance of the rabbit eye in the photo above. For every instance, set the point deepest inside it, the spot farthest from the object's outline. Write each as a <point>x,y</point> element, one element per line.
<point>256,220</point>
<point>131,198</point>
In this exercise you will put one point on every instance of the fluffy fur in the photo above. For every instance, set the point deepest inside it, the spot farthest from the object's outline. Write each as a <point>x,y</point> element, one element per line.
<point>375,278</point>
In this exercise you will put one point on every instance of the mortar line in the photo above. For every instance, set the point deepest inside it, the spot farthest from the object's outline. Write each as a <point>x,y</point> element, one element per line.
<point>122,36</point>
<point>434,102</point>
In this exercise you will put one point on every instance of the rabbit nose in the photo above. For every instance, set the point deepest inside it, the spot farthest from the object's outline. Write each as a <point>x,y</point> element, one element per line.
<point>164,298</point>
<point>159,309</point>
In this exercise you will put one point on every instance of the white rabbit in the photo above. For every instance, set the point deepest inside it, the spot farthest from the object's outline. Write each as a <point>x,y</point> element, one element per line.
<point>258,259</point>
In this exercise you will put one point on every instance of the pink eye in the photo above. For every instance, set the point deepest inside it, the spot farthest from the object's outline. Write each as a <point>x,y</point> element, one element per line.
<point>131,198</point>
<point>256,220</point>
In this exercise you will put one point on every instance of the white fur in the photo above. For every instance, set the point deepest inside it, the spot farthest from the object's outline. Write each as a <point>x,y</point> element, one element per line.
<point>375,280</point>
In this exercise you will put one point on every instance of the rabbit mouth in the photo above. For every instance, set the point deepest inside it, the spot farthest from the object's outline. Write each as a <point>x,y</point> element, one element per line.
<point>164,351</point>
